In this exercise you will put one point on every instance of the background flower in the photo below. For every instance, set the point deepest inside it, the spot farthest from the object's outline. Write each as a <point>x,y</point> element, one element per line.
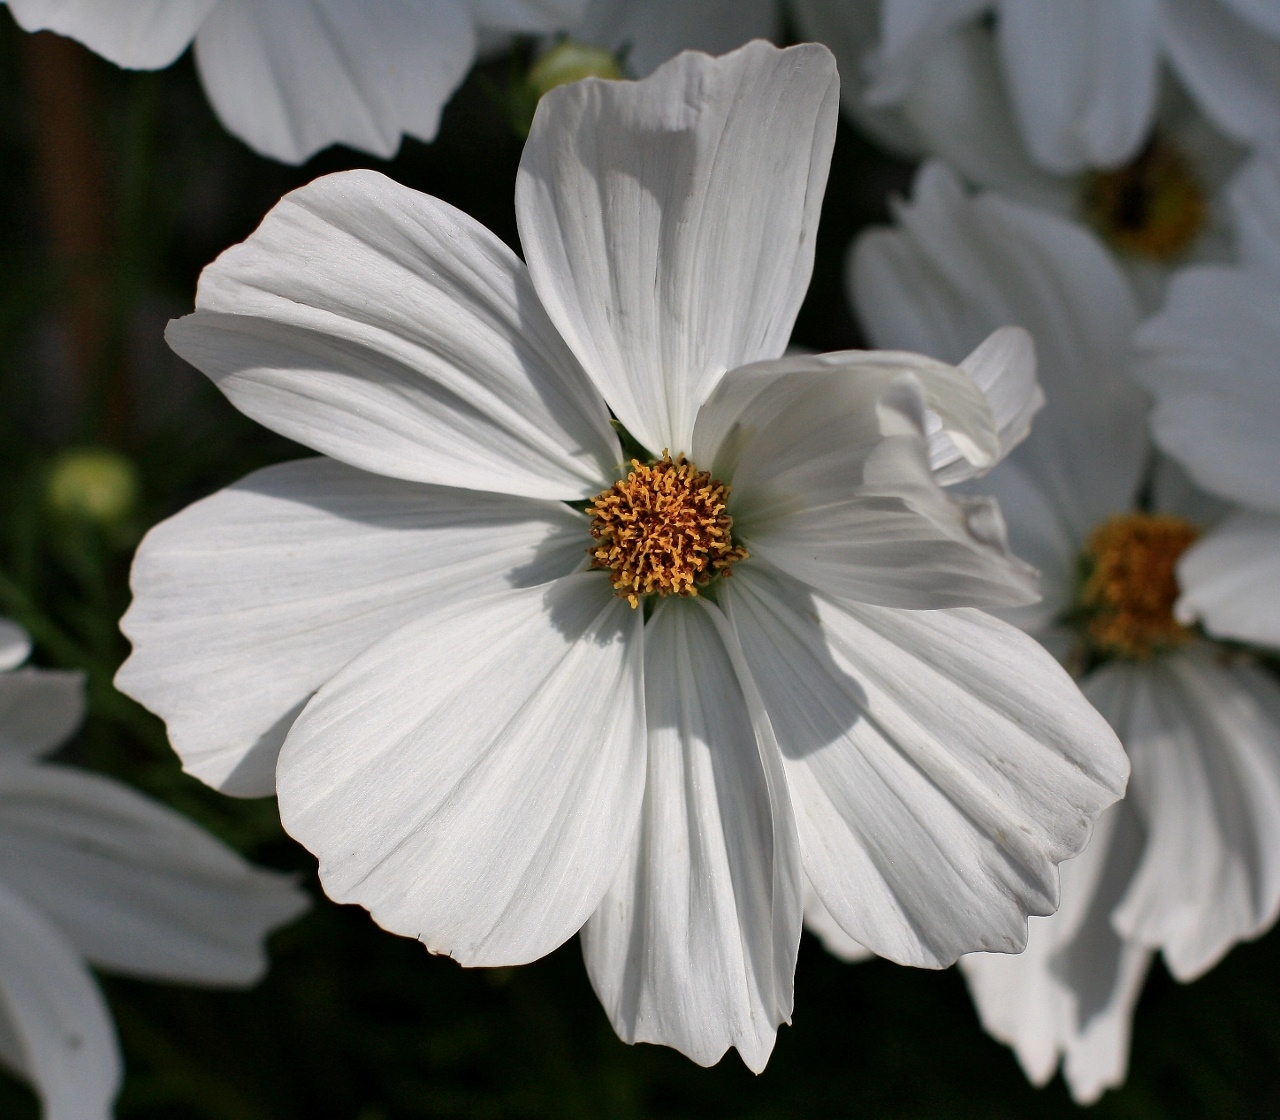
<point>1189,863</point>
<point>92,871</point>
<point>290,77</point>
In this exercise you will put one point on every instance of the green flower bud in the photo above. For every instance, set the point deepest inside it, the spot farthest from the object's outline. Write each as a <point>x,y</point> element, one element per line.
<point>568,62</point>
<point>93,485</point>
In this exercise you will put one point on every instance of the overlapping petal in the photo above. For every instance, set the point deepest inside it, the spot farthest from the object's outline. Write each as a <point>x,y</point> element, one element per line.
<point>1209,357</point>
<point>55,1019</point>
<point>248,601</point>
<point>829,461</point>
<point>694,945</point>
<point>962,265</point>
<point>134,886</point>
<point>135,34</point>
<point>290,77</point>
<point>669,224</point>
<point>1082,78</point>
<point>386,329</point>
<point>1254,195</point>
<point>1205,745</point>
<point>15,645</point>
<point>1071,993</point>
<point>1231,66</point>
<point>940,764</point>
<point>475,779</point>
<point>1230,581</point>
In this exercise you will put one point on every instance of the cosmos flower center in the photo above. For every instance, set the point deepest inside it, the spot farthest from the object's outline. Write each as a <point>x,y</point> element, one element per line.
<point>1131,586</point>
<point>663,530</point>
<point>1153,207</point>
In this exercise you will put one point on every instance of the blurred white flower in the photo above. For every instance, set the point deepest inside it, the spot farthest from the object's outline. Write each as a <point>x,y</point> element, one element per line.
<point>92,871</point>
<point>1211,357</point>
<point>290,77</point>
<point>489,744</point>
<point>1160,208</point>
<point>648,32</point>
<point>1082,76</point>
<point>1189,863</point>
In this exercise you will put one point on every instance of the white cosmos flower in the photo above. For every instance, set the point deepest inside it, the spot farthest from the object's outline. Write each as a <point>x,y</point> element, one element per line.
<point>1159,209</point>
<point>91,871</point>
<point>1211,357</point>
<point>1189,863</point>
<point>290,77</point>
<point>1082,76</point>
<point>652,31</point>
<point>484,742</point>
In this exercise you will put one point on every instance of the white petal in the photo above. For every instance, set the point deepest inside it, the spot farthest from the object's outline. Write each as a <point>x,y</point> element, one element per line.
<point>1230,581</point>
<point>961,266</point>
<point>57,1015</point>
<point>1205,744</point>
<point>1262,13</point>
<point>1254,195</point>
<point>1210,359</point>
<point>652,31</point>
<point>669,224</point>
<point>1232,71</point>
<point>958,107</point>
<point>475,779</point>
<point>940,764</point>
<point>1039,535</point>
<point>833,484</point>
<point>1082,78</point>
<point>909,32</point>
<point>526,15</point>
<point>384,328</point>
<point>290,77</point>
<point>819,922</point>
<point>1071,993</point>
<point>137,888</point>
<point>1004,368</point>
<point>247,602</point>
<point>694,945</point>
<point>15,645</point>
<point>135,34</point>
<point>39,710</point>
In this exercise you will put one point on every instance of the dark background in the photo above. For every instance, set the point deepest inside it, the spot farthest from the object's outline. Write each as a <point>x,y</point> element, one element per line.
<point>115,189</point>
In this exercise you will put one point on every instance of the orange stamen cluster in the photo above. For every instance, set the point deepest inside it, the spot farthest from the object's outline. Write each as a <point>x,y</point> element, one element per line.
<point>1153,207</point>
<point>1132,586</point>
<point>663,530</point>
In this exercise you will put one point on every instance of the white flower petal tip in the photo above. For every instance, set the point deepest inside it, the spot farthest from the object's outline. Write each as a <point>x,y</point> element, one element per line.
<point>134,34</point>
<point>139,889</point>
<point>941,765</point>
<point>15,645</point>
<point>698,188</point>
<point>1230,580</point>
<point>694,945</point>
<point>40,709</point>
<point>247,602</point>
<point>829,458</point>
<point>475,779</point>
<point>384,328</point>
<point>1004,368</point>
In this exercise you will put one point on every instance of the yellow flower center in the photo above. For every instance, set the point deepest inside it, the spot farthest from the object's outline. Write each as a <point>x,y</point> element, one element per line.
<point>663,530</point>
<point>1153,207</point>
<point>1131,585</point>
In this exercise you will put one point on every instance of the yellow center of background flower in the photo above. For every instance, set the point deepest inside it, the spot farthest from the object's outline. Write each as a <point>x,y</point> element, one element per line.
<point>1131,585</point>
<point>663,530</point>
<point>1153,207</point>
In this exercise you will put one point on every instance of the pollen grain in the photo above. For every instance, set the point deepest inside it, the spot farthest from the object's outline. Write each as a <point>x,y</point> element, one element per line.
<point>663,530</point>
<point>1131,585</point>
